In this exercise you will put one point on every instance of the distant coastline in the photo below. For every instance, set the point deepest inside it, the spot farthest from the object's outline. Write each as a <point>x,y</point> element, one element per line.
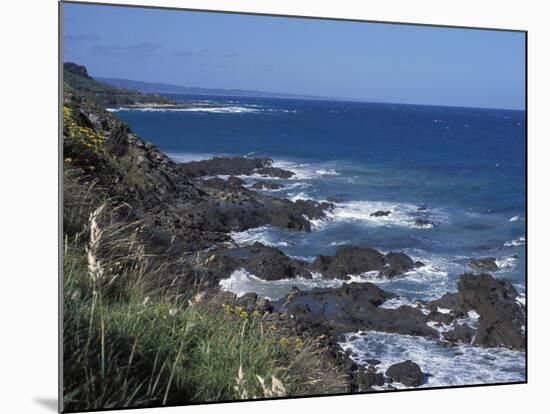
<point>164,88</point>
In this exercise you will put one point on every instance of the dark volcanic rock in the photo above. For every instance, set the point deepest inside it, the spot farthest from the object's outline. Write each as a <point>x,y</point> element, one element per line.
<point>443,318</point>
<point>268,263</point>
<point>234,166</point>
<point>266,185</point>
<point>235,181</point>
<point>216,183</point>
<point>487,264</point>
<point>350,260</point>
<point>424,223</point>
<point>380,213</point>
<point>355,307</point>
<point>462,333</point>
<point>311,208</point>
<point>365,379</point>
<point>227,207</point>
<point>327,300</point>
<point>250,302</point>
<point>398,263</point>
<point>274,172</point>
<point>449,301</point>
<point>502,318</point>
<point>407,373</point>
<point>224,166</point>
<point>404,320</point>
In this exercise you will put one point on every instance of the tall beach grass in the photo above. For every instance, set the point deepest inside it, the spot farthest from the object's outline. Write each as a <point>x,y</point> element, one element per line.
<point>132,337</point>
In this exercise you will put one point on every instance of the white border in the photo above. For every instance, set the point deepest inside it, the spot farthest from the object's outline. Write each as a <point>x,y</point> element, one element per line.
<point>28,170</point>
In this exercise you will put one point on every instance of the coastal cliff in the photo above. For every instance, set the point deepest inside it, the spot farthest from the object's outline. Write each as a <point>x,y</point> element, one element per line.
<point>145,235</point>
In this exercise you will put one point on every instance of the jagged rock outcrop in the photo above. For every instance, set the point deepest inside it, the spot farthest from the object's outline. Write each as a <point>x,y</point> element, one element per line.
<point>407,373</point>
<point>501,316</point>
<point>354,260</point>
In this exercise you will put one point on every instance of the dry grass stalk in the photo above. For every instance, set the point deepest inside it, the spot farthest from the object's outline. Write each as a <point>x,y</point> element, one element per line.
<point>95,270</point>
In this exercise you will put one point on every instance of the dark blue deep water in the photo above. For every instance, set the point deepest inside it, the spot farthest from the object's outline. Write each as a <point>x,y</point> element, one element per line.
<point>464,167</point>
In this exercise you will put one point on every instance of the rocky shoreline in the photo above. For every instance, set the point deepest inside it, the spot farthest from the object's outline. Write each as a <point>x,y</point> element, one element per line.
<point>189,210</point>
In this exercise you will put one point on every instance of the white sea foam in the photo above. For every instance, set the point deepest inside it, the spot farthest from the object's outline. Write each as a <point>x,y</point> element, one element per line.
<point>472,314</point>
<point>395,303</point>
<point>340,243</point>
<point>223,110</point>
<point>506,262</point>
<point>305,171</point>
<point>515,242</point>
<point>428,282</point>
<point>425,283</point>
<point>287,188</point>
<point>322,171</point>
<point>521,299</point>
<point>263,234</point>
<point>241,282</point>
<point>402,214</point>
<point>205,107</point>
<point>459,365</point>
<point>440,327</point>
<point>515,218</point>
<point>300,196</point>
<point>198,108</point>
<point>304,258</point>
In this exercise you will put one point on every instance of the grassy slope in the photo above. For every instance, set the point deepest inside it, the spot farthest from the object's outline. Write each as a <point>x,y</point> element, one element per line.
<point>131,338</point>
<point>103,93</point>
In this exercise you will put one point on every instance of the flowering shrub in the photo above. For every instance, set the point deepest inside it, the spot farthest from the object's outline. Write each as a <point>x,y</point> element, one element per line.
<point>82,146</point>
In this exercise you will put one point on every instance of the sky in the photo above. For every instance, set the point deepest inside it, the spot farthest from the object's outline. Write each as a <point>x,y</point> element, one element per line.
<point>352,60</point>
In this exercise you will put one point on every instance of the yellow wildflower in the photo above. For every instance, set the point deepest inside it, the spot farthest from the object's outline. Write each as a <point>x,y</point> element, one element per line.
<point>284,341</point>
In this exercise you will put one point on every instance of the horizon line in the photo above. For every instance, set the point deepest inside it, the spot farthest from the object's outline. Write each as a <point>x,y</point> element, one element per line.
<point>303,96</point>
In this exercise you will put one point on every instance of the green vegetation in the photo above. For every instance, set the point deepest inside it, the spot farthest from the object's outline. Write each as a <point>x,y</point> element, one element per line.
<point>82,146</point>
<point>104,94</point>
<point>139,326</point>
<point>133,336</point>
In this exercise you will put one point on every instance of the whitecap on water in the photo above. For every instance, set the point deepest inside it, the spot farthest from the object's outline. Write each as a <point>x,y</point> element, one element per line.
<point>305,171</point>
<point>459,365</point>
<point>515,242</point>
<point>241,282</point>
<point>395,303</point>
<point>521,299</point>
<point>300,196</point>
<point>340,243</point>
<point>506,262</point>
<point>322,171</point>
<point>229,109</point>
<point>402,214</point>
<point>264,234</point>
<point>426,283</point>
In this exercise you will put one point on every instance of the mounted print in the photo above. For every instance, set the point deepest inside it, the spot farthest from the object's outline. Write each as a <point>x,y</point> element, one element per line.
<point>261,207</point>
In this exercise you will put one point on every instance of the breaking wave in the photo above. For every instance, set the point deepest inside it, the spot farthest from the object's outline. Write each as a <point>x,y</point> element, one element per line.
<point>442,366</point>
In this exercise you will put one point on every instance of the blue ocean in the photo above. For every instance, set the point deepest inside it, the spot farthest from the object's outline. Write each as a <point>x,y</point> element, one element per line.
<point>460,169</point>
